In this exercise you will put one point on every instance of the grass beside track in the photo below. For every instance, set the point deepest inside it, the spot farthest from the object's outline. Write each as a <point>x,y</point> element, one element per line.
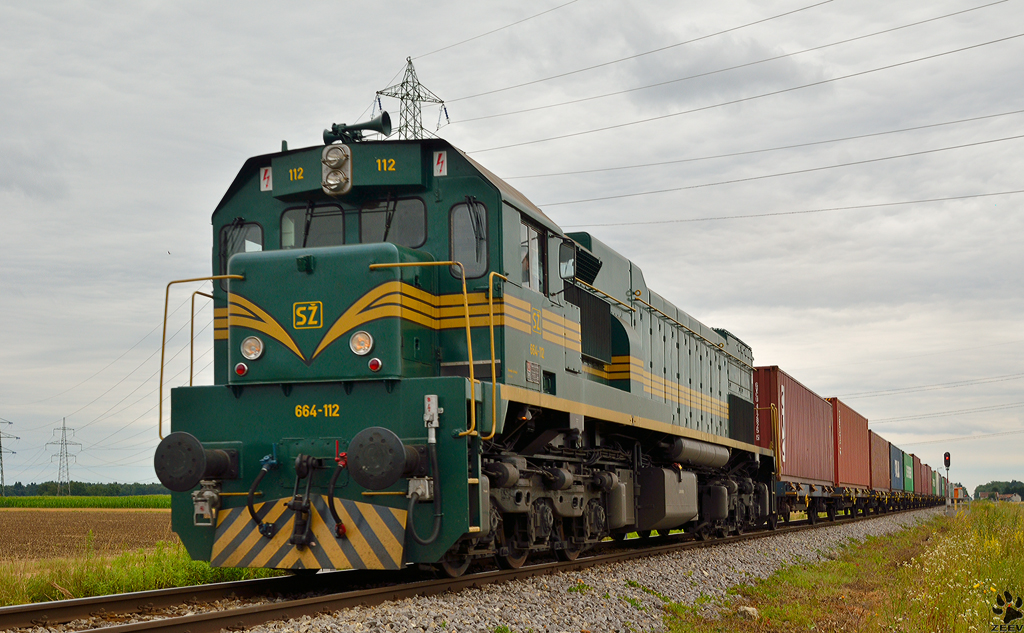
<point>139,502</point>
<point>168,565</point>
<point>944,575</point>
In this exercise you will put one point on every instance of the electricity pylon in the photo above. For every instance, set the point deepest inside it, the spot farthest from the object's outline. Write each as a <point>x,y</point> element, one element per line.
<point>412,94</point>
<point>3,484</point>
<point>63,477</point>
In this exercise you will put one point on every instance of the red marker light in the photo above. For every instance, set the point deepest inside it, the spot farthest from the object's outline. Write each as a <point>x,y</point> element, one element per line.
<point>375,364</point>
<point>241,369</point>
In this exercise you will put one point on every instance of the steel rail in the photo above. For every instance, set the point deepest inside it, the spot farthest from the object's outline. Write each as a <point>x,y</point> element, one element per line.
<point>254,615</point>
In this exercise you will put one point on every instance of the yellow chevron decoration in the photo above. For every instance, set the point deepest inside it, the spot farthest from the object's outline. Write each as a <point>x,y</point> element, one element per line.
<point>374,537</point>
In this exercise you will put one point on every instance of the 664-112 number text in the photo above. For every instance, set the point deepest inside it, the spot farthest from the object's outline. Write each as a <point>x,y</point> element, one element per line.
<point>312,411</point>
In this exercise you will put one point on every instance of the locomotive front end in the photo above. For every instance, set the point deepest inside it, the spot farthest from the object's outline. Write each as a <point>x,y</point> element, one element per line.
<point>323,442</point>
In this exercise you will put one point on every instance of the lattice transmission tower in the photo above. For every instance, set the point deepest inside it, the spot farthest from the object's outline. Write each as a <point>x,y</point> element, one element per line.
<point>413,95</point>
<point>63,477</point>
<point>3,484</point>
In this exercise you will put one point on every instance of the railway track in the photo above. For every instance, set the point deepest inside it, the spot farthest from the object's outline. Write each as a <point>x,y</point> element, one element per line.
<point>197,609</point>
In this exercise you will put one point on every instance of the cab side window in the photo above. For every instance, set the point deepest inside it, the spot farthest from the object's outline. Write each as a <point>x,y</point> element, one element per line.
<point>532,251</point>
<point>238,237</point>
<point>468,224</point>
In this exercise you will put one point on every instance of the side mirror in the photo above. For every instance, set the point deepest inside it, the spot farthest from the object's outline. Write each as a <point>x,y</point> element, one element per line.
<point>566,260</point>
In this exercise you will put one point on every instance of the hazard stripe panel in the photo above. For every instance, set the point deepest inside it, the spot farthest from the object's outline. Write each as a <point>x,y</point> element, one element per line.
<point>374,537</point>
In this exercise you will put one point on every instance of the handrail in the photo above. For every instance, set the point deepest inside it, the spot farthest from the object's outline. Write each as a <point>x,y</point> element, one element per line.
<point>720,346</point>
<point>494,374</point>
<point>192,334</point>
<point>469,339</point>
<point>163,339</point>
<point>624,305</point>
<point>776,442</point>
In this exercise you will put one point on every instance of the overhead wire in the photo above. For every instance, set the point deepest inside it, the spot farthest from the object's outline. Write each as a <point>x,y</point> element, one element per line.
<point>942,414</point>
<point>779,174</point>
<point>507,26</point>
<point>722,70</point>
<point>637,55</point>
<point>934,387</point>
<point>812,84</point>
<point>763,150</point>
<point>963,438</point>
<point>802,212</point>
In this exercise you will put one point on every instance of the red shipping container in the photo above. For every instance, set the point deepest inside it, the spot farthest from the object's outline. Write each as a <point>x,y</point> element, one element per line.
<point>852,446</point>
<point>805,441</point>
<point>879,462</point>
<point>918,473</point>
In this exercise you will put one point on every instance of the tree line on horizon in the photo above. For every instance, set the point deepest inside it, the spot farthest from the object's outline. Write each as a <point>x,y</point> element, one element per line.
<point>85,489</point>
<point>1001,487</point>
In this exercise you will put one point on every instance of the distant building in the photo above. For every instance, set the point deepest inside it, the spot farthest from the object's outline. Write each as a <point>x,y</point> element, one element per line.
<point>1012,498</point>
<point>987,495</point>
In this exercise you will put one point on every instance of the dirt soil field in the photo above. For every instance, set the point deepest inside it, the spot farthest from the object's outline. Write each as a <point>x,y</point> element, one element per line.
<point>30,534</point>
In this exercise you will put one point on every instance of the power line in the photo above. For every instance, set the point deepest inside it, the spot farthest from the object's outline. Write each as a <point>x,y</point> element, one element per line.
<point>944,385</point>
<point>763,150</point>
<point>942,414</point>
<point>780,213</point>
<point>964,437</point>
<point>476,37</point>
<point>722,70</point>
<point>780,174</point>
<point>139,342</point>
<point>745,99</point>
<point>650,52</point>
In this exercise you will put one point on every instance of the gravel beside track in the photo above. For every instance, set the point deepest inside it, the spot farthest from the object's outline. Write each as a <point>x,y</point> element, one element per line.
<point>622,597</point>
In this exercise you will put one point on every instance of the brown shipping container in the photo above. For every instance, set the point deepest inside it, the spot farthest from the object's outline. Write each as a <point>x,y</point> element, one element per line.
<point>806,447</point>
<point>879,462</point>
<point>852,446</point>
<point>918,473</point>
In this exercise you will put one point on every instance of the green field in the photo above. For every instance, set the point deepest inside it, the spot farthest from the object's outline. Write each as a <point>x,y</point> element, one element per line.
<point>146,501</point>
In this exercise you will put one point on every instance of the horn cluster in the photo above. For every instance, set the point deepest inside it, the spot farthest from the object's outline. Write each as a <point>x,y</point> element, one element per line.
<point>352,133</point>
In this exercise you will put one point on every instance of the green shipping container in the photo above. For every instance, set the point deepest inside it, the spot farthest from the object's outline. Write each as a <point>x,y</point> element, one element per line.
<point>908,472</point>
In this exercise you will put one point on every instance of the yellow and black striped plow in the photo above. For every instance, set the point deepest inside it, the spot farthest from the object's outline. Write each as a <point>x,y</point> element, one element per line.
<point>374,537</point>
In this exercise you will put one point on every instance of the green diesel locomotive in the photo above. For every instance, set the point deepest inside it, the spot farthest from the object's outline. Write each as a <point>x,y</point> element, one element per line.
<point>414,364</point>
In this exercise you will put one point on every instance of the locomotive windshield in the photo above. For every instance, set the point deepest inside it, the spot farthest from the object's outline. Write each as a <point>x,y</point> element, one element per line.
<point>398,221</point>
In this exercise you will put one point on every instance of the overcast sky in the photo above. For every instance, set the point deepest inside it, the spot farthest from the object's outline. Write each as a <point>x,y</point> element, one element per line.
<point>704,140</point>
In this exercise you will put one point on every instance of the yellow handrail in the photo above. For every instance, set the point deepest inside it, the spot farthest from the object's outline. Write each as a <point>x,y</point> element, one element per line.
<point>469,339</point>
<point>720,346</point>
<point>163,339</point>
<point>494,374</point>
<point>192,334</point>
<point>586,285</point>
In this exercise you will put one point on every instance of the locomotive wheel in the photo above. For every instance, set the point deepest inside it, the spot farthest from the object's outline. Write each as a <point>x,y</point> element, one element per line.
<point>507,539</point>
<point>568,551</point>
<point>773,521</point>
<point>453,565</point>
<point>514,560</point>
<point>740,529</point>
<point>721,532</point>
<point>704,533</point>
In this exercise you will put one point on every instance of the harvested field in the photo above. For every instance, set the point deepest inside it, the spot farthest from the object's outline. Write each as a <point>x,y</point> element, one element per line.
<point>31,534</point>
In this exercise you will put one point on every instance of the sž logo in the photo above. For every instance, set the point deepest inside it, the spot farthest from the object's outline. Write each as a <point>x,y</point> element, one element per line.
<point>1010,609</point>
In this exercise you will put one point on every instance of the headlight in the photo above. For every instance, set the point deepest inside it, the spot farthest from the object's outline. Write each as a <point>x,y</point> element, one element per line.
<point>335,157</point>
<point>252,348</point>
<point>361,343</point>
<point>335,180</point>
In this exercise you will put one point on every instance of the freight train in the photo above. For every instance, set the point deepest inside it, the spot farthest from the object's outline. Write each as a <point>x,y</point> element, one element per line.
<point>413,364</point>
